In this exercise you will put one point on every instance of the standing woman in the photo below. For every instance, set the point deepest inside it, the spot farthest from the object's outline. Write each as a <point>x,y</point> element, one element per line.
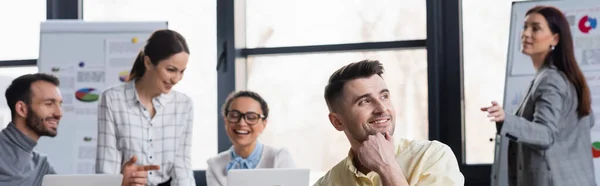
<point>549,135</point>
<point>146,119</point>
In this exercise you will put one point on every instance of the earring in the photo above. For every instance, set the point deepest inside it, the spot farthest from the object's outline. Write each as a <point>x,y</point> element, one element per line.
<point>551,47</point>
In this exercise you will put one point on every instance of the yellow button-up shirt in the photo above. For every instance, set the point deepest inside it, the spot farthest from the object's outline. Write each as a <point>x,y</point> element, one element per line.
<point>422,163</point>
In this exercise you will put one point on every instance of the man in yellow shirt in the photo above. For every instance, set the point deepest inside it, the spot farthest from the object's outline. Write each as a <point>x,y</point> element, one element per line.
<point>359,104</point>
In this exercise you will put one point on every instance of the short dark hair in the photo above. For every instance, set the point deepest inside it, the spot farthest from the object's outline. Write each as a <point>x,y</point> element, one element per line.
<point>161,45</point>
<point>245,93</point>
<point>337,80</point>
<point>20,89</point>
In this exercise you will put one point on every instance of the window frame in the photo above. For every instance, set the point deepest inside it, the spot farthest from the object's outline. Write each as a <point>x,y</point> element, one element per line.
<point>55,9</point>
<point>444,63</point>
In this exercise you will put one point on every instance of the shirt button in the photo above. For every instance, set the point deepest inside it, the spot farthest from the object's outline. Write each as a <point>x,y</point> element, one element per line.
<point>150,140</point>
<point>150,173</point>
<point>150,157</point>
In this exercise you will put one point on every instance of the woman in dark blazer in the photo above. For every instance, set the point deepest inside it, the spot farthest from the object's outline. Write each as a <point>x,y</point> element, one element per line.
<point>549,134</point>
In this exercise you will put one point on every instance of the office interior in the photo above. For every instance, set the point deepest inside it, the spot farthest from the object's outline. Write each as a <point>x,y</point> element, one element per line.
<point>444,59</point>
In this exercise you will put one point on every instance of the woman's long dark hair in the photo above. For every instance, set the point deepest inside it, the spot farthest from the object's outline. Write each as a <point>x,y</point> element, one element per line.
<point>563,55</point>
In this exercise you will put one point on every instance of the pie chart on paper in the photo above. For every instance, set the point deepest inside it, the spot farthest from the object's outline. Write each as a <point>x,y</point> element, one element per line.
<point>596,149</point>
<point>87,95</point>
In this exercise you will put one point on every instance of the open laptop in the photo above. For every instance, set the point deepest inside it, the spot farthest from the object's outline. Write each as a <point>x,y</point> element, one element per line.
<point>82,179</point>
<point>268,177</point>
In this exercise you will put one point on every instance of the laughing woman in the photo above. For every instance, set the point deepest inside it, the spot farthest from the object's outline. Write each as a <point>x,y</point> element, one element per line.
<point>245,114</point>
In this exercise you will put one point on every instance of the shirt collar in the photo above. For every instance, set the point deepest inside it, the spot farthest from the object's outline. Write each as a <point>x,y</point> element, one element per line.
<point>547,65</point>
<point>18,138</point>
<point>237,162</point>
<point>133,97</point>
<point>349,163</point>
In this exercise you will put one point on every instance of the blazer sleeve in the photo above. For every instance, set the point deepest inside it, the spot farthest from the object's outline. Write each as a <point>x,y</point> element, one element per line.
<point>284,159</point>
<point>542,130</point>
<point>211,179</point>
<point>592,119</point>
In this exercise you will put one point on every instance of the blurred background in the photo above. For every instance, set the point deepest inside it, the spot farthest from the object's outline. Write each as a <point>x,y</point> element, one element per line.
<point>444,59</point>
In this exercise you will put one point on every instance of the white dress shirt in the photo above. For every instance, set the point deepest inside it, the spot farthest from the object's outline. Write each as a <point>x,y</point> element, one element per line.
<point>125,129</point>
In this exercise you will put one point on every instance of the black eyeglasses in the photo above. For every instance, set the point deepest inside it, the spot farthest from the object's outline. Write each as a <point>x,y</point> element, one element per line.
<point>251,118</point>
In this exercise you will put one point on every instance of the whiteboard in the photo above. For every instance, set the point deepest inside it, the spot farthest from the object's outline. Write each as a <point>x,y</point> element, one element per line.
<point>520,71</point>
<point>87,57</point>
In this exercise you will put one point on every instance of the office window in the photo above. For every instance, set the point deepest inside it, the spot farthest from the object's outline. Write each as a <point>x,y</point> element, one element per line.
<point>196,21</point>
<point>274,23</point>
<point>7,75</point>
<point>21,28</point>
<point>293,87</point>
<point>485,45</point>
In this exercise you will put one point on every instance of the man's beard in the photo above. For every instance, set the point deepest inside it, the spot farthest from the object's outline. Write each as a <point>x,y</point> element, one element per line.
<point>361,136</point>
<point>36,123</point>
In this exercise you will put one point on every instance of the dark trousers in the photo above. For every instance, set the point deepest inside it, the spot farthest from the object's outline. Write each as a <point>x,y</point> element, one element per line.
<point>167,183</point>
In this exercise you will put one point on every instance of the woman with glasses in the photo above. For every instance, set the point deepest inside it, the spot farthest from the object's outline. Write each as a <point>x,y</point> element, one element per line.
<point>245,114</point>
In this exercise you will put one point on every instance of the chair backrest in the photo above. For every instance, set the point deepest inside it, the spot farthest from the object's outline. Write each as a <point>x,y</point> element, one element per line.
<point>200,177</point>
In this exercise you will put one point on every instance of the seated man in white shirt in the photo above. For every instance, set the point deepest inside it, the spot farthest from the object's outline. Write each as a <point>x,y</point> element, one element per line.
<point>35,104</point>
